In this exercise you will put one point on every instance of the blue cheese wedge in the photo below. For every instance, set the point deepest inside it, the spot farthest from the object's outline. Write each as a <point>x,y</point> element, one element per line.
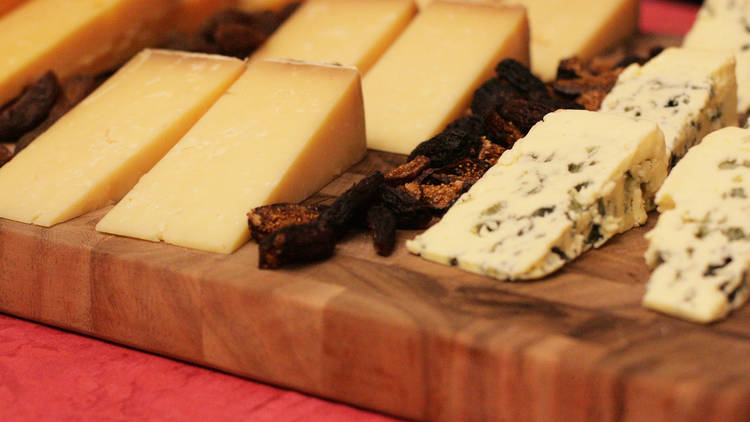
<point>688,93</point>
<point>577,179</point>
<point>722,25</point>
<point>701,244</point>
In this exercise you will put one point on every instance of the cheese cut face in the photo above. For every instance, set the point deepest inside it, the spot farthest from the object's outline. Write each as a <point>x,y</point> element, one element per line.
<point>565,28</point>
<point>577,179</point>
<point>75,36</point>
<point>688,93</point>
<point>701,243</point>
<point>192,13</point>
<point>349,32</point>
<point>281,132</point>
<point>427,78</point>
<point>722,25</point>
<point>99,150</point>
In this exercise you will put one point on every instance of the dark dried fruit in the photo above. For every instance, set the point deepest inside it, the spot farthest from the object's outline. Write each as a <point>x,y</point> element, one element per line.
<point>5,155</point>
<point>29,109</point>
<point>470,124</point>
<point>341,214</point>
<point>492,94</point>
<point>573,87</point>
<point>382,222</point>
<point>447,147</point>
<point>490,152</point>
<point>414,189</point>
<point>571,68</point>
<point>73,91</point>
<point>468,170</point>
<point>524,114</point>
<point>592,100</point>
<point>441,197</point>
<point>238,40</point>
<point>270,218</point>
<point>293,244</point>
<point>409,212</point>
<point>522,79</point>
<point>501,131</point>
<point>408,171</point>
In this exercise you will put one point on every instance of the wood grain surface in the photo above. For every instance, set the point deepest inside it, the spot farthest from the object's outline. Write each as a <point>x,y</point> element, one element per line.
<point>399,335</point>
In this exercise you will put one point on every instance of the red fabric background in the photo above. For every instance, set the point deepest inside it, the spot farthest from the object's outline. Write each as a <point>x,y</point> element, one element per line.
<point>49,374</point>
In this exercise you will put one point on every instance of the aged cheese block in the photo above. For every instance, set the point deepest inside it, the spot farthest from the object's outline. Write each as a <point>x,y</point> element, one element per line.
<point>688,93</point>
<point>350,32</point>
<point>75,36</point>
<point>577,179</point>
<point>565,28</point>
<point>99,150</point>
<point>701,244</point>
<point>8,5</point>
<point>279,134</point>
<point>723,25</point>
<point>192,13</point>
<point>427,77</point>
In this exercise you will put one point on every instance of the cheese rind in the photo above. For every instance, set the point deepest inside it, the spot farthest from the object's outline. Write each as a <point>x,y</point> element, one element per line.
<point>279,134</point>
<point>722,25</point>
<point>701,243</point>
<point>75,36</point>
<point>688,93</point>
<point>577,179</point>
<point>349,32</point>
<point>97,151</point>
<point>427,77</point>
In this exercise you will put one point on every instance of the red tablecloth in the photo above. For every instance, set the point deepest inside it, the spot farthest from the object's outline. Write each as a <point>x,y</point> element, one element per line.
<point>48,374</point>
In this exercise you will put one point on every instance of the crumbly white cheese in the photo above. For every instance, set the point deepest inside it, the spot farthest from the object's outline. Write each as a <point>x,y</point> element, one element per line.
<point>577,179</point>
<point>701,244</point>
<point>688,93</point>
<point>724,25</point>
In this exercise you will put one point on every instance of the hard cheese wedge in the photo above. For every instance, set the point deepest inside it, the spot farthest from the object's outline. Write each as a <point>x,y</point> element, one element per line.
<point>565,28</point>
<point>192,13</point>
<point>100,149</point>
<point>701,244</point>
<point>688,93</point>
<point>280,133</point>
<point>427,77</point>
<point>350,32</point>
<point>577,179</point>
<point>722,25</point>
<point>75,36</point>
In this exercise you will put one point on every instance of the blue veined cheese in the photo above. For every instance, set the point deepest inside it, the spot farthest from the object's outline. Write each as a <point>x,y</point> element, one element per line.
<point>701,244</point>
<point>722,25</point>
<point>688,93</point>
<point>577,179</point>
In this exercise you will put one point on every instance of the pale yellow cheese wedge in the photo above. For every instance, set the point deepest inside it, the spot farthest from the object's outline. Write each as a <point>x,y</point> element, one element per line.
<point>583,28</point>
<point>279,134</point>
<point>192,13</point>
<point>75,36</point>
<point>350,32</point>
<point>565,28</point>
<point>8,5</point>
<point>99,150</point>
<point>428,76</point>
<point>256,5</point>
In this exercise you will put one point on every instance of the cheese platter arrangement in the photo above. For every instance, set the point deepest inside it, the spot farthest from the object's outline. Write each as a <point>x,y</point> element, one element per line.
<point>444,210</point>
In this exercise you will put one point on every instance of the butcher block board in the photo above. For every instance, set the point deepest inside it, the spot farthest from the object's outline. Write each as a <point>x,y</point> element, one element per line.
<point>400,335</point>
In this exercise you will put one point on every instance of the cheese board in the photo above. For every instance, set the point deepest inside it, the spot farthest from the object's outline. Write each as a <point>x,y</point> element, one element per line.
<point>398,334</point>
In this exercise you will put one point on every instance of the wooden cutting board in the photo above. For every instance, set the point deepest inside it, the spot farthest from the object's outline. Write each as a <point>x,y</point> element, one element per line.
<point>399,335</point>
